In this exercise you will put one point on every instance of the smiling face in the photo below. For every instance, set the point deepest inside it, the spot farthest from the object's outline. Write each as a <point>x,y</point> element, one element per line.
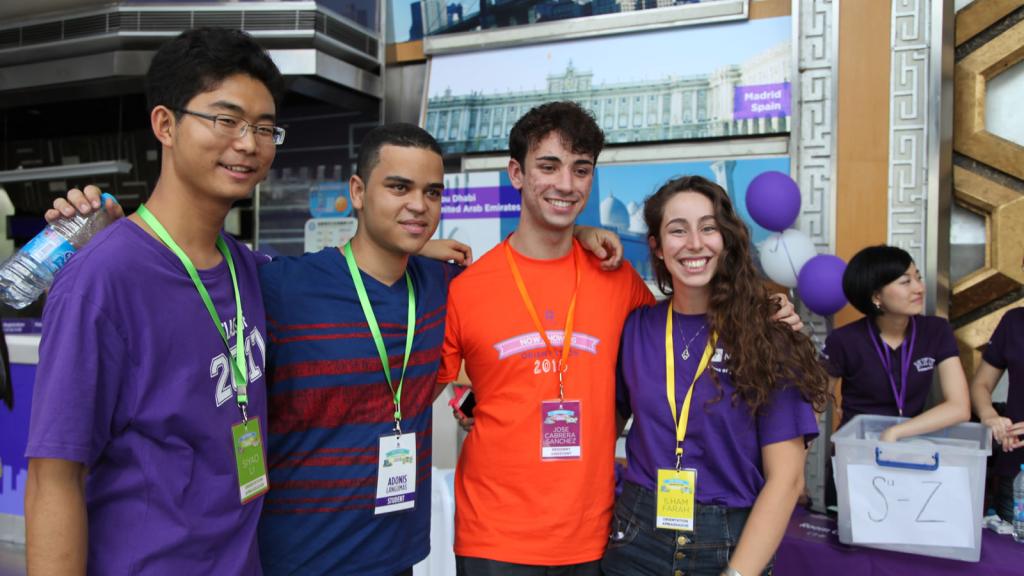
<point>400,203</point>
<point>209,162</point>
<point>554,182</point>
<point>904,295</point>
<point>689,242</point>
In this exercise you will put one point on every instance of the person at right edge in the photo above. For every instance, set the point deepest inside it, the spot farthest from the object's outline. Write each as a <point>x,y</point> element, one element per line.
<point>720,397</point>
<point>1003,354</point>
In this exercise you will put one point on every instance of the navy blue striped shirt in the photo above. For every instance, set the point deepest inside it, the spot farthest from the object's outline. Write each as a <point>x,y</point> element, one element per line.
<point>329,404</point>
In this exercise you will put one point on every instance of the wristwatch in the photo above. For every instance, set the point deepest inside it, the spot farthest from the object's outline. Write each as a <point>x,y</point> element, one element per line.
<point>730,571</point>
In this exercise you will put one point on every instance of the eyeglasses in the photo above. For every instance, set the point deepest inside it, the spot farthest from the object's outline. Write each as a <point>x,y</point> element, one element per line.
<point>236,127</point>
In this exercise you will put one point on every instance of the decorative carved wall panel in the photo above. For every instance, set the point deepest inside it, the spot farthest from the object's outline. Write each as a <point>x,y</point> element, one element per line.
<point>988,178</point>
<point>909,126</point>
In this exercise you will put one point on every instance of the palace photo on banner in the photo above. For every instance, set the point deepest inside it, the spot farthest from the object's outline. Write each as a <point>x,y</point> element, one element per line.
<point>723,80</point>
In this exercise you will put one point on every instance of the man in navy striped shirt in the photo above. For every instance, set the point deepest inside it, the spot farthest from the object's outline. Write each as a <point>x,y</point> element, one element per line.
<point>330,401</point>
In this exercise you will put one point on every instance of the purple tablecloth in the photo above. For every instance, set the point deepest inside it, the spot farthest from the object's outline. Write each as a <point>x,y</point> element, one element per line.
<point>811,546</point>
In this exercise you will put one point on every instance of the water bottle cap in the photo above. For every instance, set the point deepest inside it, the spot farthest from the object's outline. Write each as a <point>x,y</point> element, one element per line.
<point>105,195</point>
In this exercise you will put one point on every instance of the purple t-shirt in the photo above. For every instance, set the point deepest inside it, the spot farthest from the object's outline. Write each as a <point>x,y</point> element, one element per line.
<point>1006,351</point>
<point>849,354</point>
<point>134,381</point>
<point>723,439</point>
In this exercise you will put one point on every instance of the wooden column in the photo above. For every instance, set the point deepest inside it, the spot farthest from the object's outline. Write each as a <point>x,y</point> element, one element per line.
<point>862,130</point>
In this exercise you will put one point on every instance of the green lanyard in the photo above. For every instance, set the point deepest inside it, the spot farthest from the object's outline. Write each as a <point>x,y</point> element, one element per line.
<point>371,321</point>
<point>240,371</point>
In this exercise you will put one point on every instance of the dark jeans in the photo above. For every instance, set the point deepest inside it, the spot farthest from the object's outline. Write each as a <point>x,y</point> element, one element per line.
<point>468,566</point>
<point>637,548</point>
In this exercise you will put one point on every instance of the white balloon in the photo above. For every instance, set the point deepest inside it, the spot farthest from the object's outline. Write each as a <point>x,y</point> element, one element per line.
<point>783,255</point>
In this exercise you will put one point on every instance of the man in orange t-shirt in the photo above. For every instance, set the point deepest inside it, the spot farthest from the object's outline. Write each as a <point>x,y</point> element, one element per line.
<point>534,486</point>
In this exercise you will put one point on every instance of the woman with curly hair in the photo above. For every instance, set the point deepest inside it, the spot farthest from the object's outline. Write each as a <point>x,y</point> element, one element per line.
<point>721,398</point>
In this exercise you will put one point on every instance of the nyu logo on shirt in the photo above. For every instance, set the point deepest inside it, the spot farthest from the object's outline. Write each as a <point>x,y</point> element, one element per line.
<point>533,341</point>
<point>924,364</point>
<point>718,361</point>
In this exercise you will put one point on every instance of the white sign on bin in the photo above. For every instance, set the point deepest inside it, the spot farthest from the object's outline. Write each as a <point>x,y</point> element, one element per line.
<point>891,505</point>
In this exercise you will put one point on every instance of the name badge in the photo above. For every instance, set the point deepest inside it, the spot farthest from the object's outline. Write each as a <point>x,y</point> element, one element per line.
<point>560,430</point>
<point>396,473</point>
<point>249,459</point>
<point>675,502</point>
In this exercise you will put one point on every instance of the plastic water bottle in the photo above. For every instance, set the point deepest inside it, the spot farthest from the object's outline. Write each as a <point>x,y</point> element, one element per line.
<point>1018,506</point>
<point>25,276</point>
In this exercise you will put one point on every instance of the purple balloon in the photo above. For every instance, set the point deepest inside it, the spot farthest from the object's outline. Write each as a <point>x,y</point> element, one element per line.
<point>773,200</point>
<point>820,284</point>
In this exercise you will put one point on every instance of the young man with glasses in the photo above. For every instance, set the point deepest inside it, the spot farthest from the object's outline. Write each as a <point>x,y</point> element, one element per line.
<point>235,127</point>
<point>149,409</point>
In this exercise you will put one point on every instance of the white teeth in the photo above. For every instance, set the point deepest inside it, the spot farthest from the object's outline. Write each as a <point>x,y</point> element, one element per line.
<point>695,264</point>
<point>560,203</point>
<point>238,168</point>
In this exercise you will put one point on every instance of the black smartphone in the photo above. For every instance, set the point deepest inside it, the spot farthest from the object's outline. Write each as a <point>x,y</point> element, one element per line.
<point>464,401</point>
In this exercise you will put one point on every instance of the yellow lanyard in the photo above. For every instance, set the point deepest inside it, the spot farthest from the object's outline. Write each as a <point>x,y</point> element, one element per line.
<point>670,384</point>
<point>563,362</point>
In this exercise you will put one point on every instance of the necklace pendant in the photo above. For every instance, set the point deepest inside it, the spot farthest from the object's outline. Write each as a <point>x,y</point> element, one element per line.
<point>686,353</point>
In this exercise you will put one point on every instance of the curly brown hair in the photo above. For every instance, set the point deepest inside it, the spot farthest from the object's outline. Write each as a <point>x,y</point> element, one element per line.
<point>764,355</point>
<point>574,124</point>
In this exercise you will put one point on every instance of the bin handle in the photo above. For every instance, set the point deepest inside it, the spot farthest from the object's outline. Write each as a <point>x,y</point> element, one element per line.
<point>909,465</point>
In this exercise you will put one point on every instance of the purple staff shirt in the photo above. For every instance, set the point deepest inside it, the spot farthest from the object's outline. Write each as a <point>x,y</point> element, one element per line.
<point>1006,351</point>
<point>134,382</point>
<point>850,355</point>
<point>723,440</point>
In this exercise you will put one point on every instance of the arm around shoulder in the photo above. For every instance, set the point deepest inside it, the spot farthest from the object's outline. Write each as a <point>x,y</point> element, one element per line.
<point>56,527</point>
<point>448,250</point>
<point>604,244</point>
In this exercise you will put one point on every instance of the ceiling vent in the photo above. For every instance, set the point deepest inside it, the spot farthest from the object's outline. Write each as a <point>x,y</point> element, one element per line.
<point>118,20</point>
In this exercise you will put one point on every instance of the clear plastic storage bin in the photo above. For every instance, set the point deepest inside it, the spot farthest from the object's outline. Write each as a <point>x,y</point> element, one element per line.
<point>922,495</point>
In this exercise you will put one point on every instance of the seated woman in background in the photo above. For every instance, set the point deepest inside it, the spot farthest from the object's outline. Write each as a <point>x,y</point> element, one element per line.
<point>1005,351</point>
<point>887,359</point>
<point>719,395</point>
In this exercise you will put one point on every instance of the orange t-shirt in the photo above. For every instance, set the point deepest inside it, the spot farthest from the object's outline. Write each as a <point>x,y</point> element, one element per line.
<point>510,505</point>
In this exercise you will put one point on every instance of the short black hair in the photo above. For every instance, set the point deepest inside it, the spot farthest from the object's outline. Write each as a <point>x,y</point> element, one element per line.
<point>396,134</point>
<point>869,271</point>
<point>198,60</point>
<point>576,126</point>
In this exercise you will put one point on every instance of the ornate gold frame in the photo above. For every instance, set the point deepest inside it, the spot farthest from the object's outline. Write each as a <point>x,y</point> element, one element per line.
<point>971,75</point>
<point>1000,206</point>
